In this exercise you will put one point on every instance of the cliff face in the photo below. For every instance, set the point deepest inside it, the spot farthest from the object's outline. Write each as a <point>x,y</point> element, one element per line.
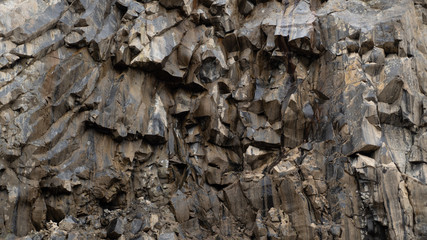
<point>212,118</point>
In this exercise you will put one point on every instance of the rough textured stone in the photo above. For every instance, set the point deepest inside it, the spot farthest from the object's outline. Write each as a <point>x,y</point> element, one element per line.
<point>213,119</point>
<point>116,228</point>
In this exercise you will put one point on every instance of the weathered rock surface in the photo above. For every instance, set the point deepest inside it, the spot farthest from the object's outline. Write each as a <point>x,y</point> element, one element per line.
<point>213,119</point>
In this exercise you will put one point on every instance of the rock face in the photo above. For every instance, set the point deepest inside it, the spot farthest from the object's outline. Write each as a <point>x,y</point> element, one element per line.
<point>213,119</point>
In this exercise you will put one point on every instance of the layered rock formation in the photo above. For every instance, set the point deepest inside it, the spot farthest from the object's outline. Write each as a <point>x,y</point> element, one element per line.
<point>220,119</point>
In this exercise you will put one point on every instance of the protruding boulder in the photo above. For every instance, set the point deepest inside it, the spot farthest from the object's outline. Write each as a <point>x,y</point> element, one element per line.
<point>159,23</point>
<point>136,226</point>
<point>116,228</point>
<point>37,24</point>
<point>99,46</point>
<point>156,129</point>
<point>41,45</point>
<point>122,56</point>
<point>160,47</point>
<point>74,39</point>
<point>365,167</point>
<point>67,224</point>
<point>297,26</point>
<point>180,206</point>
<point>256,157</point>
<point>217,164</point>
<point>250,34</point>
<point>266,137</point>
<point>245,7</point>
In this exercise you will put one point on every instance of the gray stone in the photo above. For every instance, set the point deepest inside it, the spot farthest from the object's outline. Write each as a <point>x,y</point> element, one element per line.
<point>136,226</point>
<point>75,39</point>
<point>156,130</point>
<point>40,46</point>
<point>167,236</point>
<point>160,47</point>
<point>180,206</point>
<point>116,228</point>
<point>68,223</point>
<point>39,23</point>
<point>335,230</point>
<point>298,26</point>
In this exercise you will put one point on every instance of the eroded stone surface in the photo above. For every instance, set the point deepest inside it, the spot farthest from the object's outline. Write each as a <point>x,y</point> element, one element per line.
<point>213,119</point>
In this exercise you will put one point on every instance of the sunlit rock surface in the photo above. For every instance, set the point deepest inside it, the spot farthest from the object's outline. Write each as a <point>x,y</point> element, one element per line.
<point>213,119</point>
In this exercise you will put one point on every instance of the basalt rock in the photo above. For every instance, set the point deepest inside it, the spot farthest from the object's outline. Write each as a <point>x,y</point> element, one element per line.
<point>213,119</point>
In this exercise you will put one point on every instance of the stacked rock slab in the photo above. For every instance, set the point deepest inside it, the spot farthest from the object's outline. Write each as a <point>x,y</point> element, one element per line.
<point>213,119</point>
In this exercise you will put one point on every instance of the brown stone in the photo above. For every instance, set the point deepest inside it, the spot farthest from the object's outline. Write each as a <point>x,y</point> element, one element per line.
<point>213,119</point>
